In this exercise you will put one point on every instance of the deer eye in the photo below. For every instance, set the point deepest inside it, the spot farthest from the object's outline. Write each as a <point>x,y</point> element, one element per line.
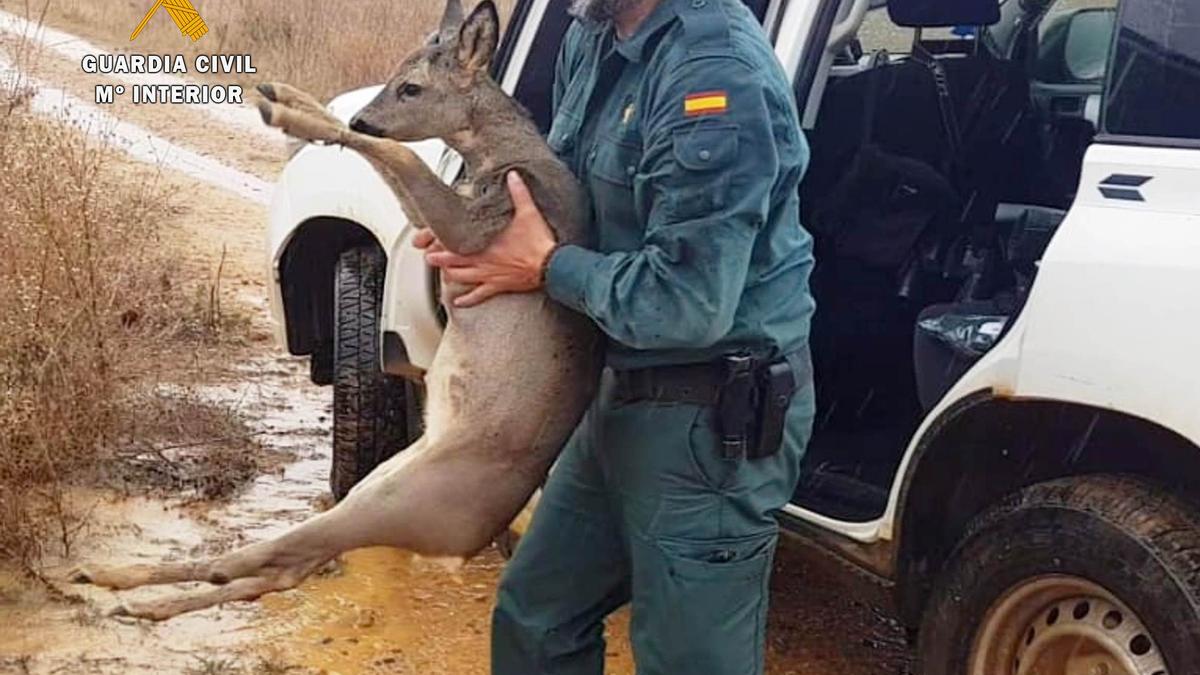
<point>408,90</point>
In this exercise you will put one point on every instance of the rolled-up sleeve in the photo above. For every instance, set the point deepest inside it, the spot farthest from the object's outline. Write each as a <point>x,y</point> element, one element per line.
<point>709,167</point>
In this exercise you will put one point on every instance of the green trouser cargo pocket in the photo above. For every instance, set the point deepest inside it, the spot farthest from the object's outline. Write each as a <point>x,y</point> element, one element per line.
<point>703,608</point>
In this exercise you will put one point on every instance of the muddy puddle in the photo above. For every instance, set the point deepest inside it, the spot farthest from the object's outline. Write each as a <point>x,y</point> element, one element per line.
<point>377,610</point>
<point>46,636</point>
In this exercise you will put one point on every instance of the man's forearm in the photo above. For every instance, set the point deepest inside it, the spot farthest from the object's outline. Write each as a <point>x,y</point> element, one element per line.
<point>649,299</point>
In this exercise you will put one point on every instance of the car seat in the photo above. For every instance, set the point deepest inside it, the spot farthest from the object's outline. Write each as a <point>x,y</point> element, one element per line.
<point>909,160</point>
<point>950,338</point>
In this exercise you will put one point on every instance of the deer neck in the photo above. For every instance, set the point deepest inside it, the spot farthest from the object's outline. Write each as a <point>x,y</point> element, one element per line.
<point>494,137</point>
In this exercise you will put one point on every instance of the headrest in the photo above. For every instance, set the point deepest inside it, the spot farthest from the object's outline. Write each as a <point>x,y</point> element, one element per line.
<point>943,13</point>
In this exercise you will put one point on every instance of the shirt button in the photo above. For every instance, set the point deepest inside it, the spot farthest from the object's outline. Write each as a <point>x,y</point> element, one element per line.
<point>631,170</point>
<point>705,155</point>
<point>592,156</point>
<point>699,3</point>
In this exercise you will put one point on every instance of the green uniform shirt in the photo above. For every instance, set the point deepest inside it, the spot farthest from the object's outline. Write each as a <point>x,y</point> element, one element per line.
<point>687,138</point>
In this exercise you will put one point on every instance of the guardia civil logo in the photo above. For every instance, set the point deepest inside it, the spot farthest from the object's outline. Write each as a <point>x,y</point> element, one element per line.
<point>185,16</point>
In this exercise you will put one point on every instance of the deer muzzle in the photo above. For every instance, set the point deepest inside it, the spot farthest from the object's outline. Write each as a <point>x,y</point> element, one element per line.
<point>364,127</point>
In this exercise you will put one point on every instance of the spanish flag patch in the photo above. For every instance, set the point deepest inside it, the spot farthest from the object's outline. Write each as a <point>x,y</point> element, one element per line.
<point>706,103</point>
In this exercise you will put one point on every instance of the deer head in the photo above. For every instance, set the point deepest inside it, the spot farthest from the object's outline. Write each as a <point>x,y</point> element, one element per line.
<point>436,89</point>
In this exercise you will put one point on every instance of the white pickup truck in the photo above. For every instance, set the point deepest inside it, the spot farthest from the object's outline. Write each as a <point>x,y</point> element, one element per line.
<point>1008,431</point>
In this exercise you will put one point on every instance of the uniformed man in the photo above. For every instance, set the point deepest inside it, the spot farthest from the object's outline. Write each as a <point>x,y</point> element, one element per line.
<point>680,122</point>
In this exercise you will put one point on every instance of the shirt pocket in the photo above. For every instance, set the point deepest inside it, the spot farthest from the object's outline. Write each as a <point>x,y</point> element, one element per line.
<point>611,178</point>
<point>617,162</point>
<point>703,157</point>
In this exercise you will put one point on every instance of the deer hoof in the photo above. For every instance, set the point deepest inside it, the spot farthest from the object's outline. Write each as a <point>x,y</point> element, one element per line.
<point>268,91</point>
<point>80,575</point>
<point>119,610</point>
<point>132,612</point>
<point>267,110</point>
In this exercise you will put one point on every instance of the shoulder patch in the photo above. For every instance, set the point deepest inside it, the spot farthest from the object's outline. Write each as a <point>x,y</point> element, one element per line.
<point>706,103</point>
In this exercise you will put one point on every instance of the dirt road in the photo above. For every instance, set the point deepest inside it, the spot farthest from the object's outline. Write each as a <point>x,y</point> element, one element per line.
<point>378,611</point>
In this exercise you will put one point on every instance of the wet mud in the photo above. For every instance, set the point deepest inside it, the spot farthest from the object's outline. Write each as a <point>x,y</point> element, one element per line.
<point>376,610</point>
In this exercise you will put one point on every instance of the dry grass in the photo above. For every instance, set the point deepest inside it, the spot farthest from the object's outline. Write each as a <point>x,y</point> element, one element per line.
<point>94,316</point>
<point>325,47</point>
<point>96,320</point>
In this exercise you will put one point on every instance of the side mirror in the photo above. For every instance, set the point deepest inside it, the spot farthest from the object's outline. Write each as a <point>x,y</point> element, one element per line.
<point>1073,48</point>
<point>1089,40</point>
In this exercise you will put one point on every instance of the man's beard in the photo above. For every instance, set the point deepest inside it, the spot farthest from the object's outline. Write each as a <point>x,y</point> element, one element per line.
<point>600,11</point>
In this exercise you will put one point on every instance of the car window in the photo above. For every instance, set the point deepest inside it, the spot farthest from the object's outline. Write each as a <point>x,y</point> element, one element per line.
<point>1154,83</point>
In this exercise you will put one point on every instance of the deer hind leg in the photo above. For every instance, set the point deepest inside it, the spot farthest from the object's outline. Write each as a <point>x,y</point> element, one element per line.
<point>244,574</point>
<point>120,578</point>
<point>169,606</point>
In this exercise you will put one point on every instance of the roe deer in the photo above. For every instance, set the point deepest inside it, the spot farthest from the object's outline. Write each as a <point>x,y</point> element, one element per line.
<point>511,377</point>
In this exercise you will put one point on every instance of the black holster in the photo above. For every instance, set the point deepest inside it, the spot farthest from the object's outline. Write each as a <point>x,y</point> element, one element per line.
<point>752,405</point>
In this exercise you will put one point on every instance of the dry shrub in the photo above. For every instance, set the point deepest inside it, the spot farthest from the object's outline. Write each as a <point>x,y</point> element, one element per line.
<point>182,444</point>
<point>72,255</point>
<point>325,47</point>
<point>91,314</point>
<point>91,304</point>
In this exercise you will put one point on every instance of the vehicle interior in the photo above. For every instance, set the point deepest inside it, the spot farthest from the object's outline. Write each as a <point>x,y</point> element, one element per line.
<point>946,148</point>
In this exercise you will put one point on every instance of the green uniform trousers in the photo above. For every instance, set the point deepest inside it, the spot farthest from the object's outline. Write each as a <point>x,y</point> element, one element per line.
<point>641,508</point>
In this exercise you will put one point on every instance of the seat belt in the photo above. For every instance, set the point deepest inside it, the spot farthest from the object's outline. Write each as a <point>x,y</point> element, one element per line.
<point>954,159</point>
<point>878,60</point>
<point>945,102</point>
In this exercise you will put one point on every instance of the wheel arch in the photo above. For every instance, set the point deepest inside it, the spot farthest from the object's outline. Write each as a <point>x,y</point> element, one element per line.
<point>986,447</point>
<point>306,275</point>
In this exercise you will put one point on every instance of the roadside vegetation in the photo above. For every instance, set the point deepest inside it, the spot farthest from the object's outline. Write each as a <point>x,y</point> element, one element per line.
<point>98,325</point>
<point>324,47</point>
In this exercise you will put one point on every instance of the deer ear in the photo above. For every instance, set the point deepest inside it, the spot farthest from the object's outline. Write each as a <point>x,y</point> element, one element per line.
<point>452,19</point>
<point>479,36</point>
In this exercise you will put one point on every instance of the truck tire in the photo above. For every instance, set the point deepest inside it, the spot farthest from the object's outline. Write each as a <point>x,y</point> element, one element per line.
<point>372,411</point>
<point>1096,574</point>
<point>320,364</point>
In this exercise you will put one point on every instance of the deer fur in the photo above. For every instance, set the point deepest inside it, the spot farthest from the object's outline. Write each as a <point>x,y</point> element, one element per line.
<point>511,377</point>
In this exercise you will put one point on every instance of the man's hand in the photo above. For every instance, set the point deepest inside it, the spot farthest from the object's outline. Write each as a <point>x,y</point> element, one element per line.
<point>514,261</point>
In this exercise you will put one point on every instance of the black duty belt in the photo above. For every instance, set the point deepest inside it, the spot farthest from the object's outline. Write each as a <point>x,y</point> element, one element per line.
<point>750,397</point>
<point>697,383</point>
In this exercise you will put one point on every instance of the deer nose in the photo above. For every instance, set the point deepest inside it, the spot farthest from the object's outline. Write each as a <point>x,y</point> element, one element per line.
<point>364,127</point>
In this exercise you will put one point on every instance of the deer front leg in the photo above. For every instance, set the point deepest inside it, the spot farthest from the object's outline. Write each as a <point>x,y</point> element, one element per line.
<point>302,122</point>
<point>427,200</point>
<point>291,97</point>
